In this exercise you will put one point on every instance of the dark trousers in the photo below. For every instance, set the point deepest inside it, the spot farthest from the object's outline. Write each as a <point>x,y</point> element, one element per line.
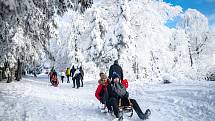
<point>73,79</point>
<point>125,102</point>
<point>68,79</point>
<point>104,98</point>
<point>77,82</point>
<point>82,82</point>
<point>9,79</point>
<point>137,108</point>
<point>62,77</point>
<point>114,103</point>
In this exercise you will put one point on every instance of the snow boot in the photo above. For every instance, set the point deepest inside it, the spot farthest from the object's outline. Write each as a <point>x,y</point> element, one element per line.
<point>104,110</point>
<point>145,115</point>
<point>118,119</point>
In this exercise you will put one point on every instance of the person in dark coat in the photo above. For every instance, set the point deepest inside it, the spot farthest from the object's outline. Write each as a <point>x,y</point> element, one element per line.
<point>72,73</point>
<point>114,98</point>
<point>82,76</point>
<point>77,78</point>
<point>115,68</point>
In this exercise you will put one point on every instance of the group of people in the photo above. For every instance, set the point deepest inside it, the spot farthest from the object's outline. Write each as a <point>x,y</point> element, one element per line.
<point>77,75</point>
<point>111,92</point>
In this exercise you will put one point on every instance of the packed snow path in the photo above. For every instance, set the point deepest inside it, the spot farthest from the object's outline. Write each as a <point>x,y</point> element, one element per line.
<point>35,100</point>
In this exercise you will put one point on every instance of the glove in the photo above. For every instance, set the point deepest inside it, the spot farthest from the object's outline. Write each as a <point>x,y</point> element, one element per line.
<point>101,101</point>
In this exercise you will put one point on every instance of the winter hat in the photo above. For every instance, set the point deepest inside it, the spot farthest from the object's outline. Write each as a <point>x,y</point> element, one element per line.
<point>116,62</point>
<point>115,75</point>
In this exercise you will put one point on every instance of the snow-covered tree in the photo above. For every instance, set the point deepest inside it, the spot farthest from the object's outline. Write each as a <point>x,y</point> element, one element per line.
<point>132,31</point>
<point>124,38</point>
<point>97,36</point>
<point>196,28</point>
<point>34,19</point>
<point>179,45</point>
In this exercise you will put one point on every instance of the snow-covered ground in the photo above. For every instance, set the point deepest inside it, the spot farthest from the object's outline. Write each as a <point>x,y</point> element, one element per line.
<point>33,99</point>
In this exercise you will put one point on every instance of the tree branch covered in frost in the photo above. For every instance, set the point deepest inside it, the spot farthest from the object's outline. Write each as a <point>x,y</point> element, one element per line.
<point>33,20</point>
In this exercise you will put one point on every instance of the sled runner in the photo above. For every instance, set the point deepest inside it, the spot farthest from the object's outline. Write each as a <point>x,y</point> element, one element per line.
<point>127,110</point>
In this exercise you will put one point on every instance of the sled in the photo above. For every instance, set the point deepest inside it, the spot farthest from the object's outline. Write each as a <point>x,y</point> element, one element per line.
<point>126,110</point>
<point>54,81</point>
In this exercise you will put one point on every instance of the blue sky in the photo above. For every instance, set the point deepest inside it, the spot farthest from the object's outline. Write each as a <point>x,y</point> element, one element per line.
<point>207,7</point>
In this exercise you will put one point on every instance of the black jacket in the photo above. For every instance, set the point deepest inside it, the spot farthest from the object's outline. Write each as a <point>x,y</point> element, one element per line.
<point>116,68</point>
<point>72,71</point>
<point>111,93</point>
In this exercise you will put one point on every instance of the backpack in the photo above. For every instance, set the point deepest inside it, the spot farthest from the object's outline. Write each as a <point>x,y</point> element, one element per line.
<point>119,89</point>
<point>68,72</point>
<point>125,83</point>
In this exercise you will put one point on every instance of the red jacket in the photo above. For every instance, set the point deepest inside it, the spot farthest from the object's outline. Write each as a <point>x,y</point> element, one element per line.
<point>99,89</point>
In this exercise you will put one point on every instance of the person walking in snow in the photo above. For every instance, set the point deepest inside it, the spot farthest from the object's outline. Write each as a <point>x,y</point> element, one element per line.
<point>62,75</point>
<point>72,73</point>
<point>7,74</point>
<point>82,76</point>
<point>115,68</point>
<point>77,78</point>
<point>68,74</point>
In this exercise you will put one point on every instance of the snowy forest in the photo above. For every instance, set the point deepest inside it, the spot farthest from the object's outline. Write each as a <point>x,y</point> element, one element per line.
<point>65,32</point>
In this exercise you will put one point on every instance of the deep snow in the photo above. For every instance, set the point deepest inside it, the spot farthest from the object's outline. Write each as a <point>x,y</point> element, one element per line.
<point>33,99</point>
